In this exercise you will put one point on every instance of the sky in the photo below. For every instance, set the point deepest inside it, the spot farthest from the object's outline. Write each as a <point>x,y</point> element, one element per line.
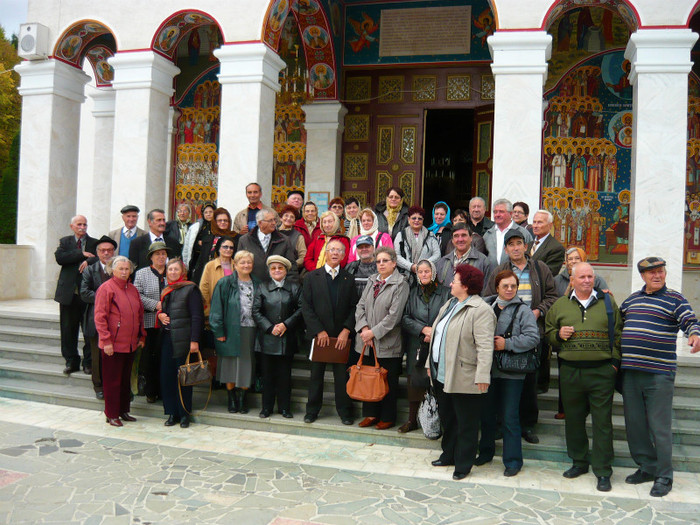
<point>12,14</point>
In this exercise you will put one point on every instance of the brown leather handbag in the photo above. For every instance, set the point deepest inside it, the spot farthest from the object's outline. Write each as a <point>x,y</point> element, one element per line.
<point>367,382</point>
<point>194,373</point>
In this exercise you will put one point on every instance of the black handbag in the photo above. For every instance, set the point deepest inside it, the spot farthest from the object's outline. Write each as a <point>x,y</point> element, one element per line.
<point>517,362</point>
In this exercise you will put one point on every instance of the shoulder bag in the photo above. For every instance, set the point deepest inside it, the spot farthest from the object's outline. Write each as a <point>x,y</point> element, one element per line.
<point>191,374</point>
<point>516,362</point>
<point>367,382</point>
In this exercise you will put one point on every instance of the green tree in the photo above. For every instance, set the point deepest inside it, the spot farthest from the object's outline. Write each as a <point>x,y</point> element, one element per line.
<point>10,101</point>
<point>9,179</point>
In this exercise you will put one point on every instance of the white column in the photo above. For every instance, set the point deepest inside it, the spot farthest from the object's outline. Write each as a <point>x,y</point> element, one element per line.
<point>143,82</point>
<point>101,161</point>
<point>325,122</point>
<point>520,70</point>
<point>660,66</point>
<point>52,93</point>
<point>249,78</point>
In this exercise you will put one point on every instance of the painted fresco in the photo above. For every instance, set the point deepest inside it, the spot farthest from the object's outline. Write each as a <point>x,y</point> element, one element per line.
<point>363,31</point>
<point>174,30</point>
<point>692,184</point>
<point>198,104</point>
<point>289,149</point>
<point>587,143</point>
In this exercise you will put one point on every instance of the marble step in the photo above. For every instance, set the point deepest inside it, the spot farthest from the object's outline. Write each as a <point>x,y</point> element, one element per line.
<point>30,334</point>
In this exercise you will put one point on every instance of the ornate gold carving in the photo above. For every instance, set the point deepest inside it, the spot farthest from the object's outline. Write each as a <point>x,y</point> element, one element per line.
<point>488,87</point>
<point>459,87</point>
<point>394,167</point>
<point>408,144</point>
<point>406,183</point>
<point>361,196</point>
<point>383,185</point>
<point>289,152</point>
<point>385,144</point>
<point>358,89</point>
<point>355,166</point>
<point>391,89</point>
<point>357,128</point>
<point>424,88</point>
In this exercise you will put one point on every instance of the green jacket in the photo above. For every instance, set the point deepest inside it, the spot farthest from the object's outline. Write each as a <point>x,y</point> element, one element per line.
<point>225,315</point>
<point>590,341</point>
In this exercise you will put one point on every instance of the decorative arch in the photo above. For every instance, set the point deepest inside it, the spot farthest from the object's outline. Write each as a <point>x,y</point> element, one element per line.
<point>173,30</point>
<point>623,8</point>
<point>314,27</point>
<point>92,40</point>
<point>694,11</point>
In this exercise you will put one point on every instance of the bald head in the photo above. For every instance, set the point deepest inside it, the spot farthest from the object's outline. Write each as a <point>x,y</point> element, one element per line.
<point>582,279</point>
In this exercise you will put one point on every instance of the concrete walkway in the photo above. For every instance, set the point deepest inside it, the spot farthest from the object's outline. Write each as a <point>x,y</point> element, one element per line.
<point>65,465</point>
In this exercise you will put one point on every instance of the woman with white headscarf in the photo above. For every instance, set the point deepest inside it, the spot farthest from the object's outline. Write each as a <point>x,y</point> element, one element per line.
<point>369,225</point>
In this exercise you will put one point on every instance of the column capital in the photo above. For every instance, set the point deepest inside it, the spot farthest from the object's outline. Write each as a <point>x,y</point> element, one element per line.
<point>249,63</point>
<point>52,77</point>
<point>143,70</point>
<point>325,116</point>
<point>103,101</point>
<point>520,52</point>
<point>660,51</point>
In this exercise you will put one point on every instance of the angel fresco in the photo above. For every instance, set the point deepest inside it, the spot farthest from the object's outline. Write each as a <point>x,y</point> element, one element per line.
<point>363,30</point>
<point>486,25</point>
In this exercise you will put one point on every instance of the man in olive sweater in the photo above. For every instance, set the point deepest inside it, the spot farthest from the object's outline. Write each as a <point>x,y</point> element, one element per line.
<point>579,325</point>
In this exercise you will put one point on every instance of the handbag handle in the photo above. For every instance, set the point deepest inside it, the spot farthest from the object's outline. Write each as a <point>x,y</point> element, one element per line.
<point>362,354</point>
<point>187,361</point>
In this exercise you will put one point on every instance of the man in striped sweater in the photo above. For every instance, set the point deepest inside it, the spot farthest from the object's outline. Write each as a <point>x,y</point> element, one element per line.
<point>652,318</point>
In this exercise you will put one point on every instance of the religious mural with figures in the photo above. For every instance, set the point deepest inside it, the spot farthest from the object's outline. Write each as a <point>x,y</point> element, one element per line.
<point>692,182</point>
<point>197,104</point>
<point>586,161</point>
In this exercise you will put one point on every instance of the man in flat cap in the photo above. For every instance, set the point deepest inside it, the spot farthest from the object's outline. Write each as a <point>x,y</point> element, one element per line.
<point>123,236</point>
<point>652,317</point>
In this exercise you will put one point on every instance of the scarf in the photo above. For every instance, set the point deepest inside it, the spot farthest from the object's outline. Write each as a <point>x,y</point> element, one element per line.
<point>392,214</point>
<point>502,303</point>
<point>375,224</point>
<point>352,227</point>
<point>182,227</point>
<point>415,243</point>
<point>435,226</point>
<point>310,226</point>
<point>426,290</point>
<point>175,285</point>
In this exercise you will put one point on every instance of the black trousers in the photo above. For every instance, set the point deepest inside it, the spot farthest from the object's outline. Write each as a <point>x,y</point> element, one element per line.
<point>385,409</point>
<point>343,404</point>
<point>277,381</point>
<point>172,406</point>
<point>149,364</point>
<point>460,415</point>
<point>96,364</point>
<point>72,319</point>
<point>529,411</point>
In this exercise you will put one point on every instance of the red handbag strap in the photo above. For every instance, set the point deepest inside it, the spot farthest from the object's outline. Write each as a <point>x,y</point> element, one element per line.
<point>371,345</point>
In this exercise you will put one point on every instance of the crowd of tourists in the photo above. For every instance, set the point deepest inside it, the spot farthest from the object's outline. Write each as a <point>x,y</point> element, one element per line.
<point>469,309</point>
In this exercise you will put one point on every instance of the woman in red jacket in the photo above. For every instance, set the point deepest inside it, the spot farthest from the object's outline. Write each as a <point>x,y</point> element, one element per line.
<point>330,229</point>
<point>119,324</point>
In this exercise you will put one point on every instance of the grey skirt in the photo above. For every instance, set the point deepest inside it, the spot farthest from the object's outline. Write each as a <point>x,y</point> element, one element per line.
<point>239,370</point>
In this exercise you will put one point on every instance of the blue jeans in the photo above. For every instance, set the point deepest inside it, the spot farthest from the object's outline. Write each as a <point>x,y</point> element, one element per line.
<point>502,402</point>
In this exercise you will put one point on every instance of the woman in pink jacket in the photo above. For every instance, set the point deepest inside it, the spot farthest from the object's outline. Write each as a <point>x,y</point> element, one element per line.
<point>119,324</point>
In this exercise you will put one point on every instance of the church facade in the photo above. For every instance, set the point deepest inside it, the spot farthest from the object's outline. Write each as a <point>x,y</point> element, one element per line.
<point>588,108</point>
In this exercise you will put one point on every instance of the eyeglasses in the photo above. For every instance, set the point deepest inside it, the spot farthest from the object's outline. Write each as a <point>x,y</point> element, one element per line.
<point>267,220</point>
<point>383,261</point>
<point>417,218</point>
<point>334,250</point>
<point>226,247</point>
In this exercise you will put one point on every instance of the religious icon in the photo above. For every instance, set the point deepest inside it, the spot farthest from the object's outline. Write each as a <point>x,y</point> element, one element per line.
<point>363,29</point>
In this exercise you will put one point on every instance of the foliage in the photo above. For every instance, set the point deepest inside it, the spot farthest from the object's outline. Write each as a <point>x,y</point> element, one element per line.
<point>8,195</point>
<point>10,102</point>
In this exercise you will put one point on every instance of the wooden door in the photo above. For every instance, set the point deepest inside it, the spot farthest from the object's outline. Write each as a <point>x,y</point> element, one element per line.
<point>483,153</point>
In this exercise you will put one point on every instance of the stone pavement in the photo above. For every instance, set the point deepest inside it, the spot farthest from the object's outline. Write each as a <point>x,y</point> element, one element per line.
<point>65,465</point>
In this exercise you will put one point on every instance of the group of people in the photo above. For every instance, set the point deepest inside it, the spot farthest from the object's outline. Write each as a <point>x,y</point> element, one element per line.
<point>441,303</point>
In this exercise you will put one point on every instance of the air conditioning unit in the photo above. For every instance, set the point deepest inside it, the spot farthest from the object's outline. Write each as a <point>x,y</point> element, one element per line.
<point>33,41</point>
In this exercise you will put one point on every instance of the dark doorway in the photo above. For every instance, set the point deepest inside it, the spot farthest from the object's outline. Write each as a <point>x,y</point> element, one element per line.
<point>448,158</point>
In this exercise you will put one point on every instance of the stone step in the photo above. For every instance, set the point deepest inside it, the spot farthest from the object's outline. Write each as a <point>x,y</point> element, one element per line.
<point>36,335</point>
<point>551,447</point>
<point>21,318</point>
<point>31,352</point>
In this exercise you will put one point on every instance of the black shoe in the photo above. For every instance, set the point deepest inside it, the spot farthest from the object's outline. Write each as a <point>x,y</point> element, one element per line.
<point>100,395</point>
<point>441,463</point>
<point>530,436</point>
<point>264,413</point>
<point>509,472</point>
<point>459,475</point>
<point>346,421</point>
<point>69,369</point>
<point>242,402</point>
<point>639,477</point>
<point>287,414</point>
<point>141,388</point>
<point>482,460</point>
<point>87,370</point>
<point>498,435</point>
<point>310,418</point>
<point>172,421</point>
<point>662,486</point>
<point>127,417</point>
<point>575,472</point>
<point>232,401</point>
<point>604,484</point>
<point>185,422</point>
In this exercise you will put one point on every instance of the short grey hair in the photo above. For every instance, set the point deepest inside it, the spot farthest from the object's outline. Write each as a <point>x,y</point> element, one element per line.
<point>503,202</point>
<point>260,216</point>
<point>388,250</point>
<point>151,214</point>
<point>74,219</point>
<point>109,267</point>
<point>477,199</point>
<point>550,218</point>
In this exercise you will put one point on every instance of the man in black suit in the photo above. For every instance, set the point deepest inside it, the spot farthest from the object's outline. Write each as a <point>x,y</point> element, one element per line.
<point>93,276</point>
<point>73,254</point>
<point>138,251</point>
<point>329,298</point>
<point>545,247</point>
